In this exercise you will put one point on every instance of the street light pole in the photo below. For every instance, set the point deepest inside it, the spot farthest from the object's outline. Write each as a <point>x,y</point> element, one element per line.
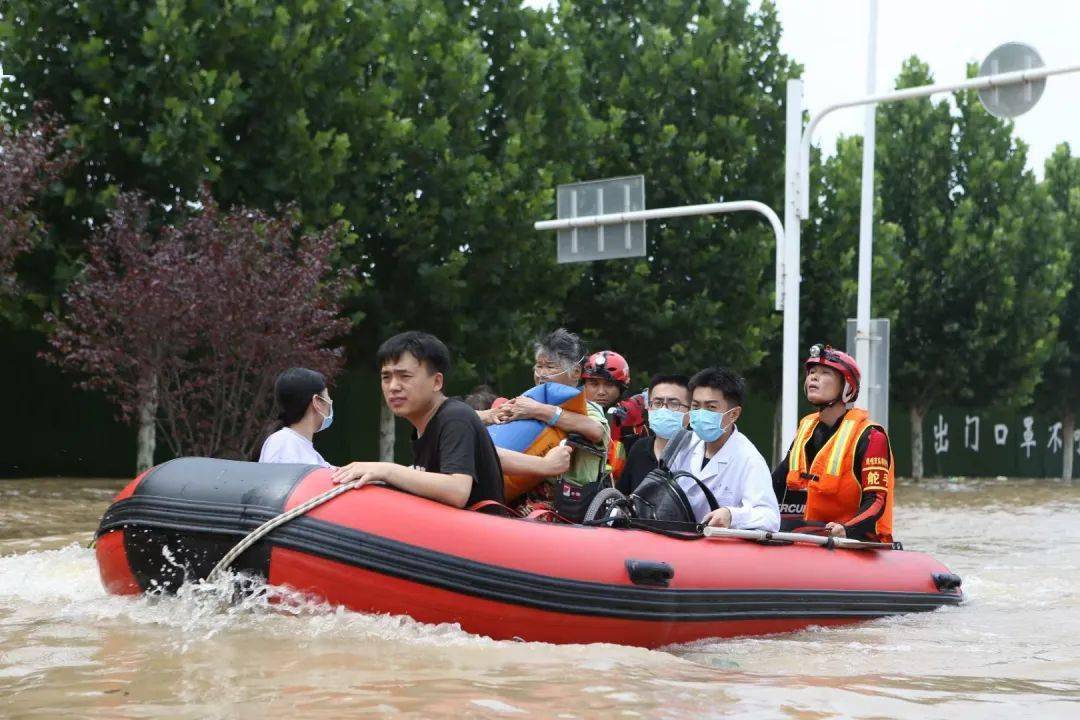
<point>866,223</point>
<point>792,277</point>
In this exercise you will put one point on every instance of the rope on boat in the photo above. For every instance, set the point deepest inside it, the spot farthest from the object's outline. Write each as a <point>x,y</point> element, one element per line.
<point>260,532</point>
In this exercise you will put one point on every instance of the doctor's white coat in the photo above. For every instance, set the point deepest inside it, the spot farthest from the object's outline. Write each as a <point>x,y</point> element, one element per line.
<point>738,476</point>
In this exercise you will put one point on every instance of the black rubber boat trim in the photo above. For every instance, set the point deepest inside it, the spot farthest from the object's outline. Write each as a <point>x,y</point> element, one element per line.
<point>491,582</point>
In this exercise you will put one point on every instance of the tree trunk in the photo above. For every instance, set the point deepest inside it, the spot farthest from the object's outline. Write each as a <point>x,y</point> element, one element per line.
<point>146,439</point>
<point>386,433</point>
<point>916,414</point>
<point>1068,427</point>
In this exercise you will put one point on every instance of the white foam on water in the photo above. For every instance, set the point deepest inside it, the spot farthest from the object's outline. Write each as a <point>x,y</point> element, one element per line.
<point>63,585</point>
<point>498,706</point>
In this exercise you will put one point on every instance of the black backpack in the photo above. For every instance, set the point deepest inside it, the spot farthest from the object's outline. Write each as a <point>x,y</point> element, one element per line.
<point>659,497</point>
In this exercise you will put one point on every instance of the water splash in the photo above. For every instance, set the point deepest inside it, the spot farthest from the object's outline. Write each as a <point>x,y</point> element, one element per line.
<point>63,585</point>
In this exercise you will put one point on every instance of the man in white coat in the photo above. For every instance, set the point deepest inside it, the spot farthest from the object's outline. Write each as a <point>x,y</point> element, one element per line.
<point>724,459</point>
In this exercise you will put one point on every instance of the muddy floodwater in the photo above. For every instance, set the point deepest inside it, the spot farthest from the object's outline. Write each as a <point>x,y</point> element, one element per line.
<point>1011,651</point>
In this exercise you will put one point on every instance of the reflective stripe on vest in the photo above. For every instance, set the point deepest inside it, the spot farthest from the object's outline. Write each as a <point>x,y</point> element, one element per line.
<point>843,438</point>
<point>797,475</point>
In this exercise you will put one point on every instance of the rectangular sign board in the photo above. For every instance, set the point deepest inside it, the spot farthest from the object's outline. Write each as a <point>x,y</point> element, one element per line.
<point>602,197</point>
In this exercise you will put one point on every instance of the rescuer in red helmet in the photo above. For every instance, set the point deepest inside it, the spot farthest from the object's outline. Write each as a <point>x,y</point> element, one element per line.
<point>838,474</point>
<point>607,377</point>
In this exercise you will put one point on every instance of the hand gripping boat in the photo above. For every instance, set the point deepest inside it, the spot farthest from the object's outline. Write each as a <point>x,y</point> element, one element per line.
<point>378,550</point>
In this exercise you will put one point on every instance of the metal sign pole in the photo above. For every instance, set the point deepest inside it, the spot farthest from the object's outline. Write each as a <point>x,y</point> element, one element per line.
<point>866,222</point>
<point>789,383</point>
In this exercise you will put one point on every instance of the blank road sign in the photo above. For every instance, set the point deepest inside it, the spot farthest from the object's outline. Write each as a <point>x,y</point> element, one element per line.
<point>602,197</point>
<point>1011,101</point>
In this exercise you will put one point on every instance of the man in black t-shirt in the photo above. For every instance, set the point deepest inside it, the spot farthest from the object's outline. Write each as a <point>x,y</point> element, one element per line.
<point>454,460</point>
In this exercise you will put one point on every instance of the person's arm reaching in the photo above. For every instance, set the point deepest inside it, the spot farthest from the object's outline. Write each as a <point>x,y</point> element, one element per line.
<point>452,485</point>
<point>759,509</point>
<point>554,463</point>
<point>571,423</point>
<point>448,488</point>
<point>863,524</point>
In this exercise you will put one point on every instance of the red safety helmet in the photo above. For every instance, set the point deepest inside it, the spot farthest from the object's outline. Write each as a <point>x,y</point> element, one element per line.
<point>607,365</point>
<point>842,363</point>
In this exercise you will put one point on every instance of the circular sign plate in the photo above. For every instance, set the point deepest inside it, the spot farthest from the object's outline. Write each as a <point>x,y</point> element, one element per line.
<point>1011,100</point>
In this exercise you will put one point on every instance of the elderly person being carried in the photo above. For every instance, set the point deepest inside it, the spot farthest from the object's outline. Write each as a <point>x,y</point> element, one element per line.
<point>559,358</point>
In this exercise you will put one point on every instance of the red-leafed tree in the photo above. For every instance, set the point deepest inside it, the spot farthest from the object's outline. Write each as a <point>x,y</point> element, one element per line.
<point>31,159</point>
<point>186,327</point>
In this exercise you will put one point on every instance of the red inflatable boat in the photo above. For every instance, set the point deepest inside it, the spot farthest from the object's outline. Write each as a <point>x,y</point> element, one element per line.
<point>382,551</point>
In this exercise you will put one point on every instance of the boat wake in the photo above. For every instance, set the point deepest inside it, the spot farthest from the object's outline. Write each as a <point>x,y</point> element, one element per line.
<point>63,584</point>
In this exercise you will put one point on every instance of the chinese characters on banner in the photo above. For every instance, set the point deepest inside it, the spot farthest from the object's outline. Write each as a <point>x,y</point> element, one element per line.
<point>1028,439</point>
<point>941,436</point>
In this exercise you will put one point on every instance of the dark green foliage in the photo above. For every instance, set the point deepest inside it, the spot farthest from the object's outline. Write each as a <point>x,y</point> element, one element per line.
<point>691,95</point>
<point>438,131</point>
<point>981,261</point>
<point>1060,389</point>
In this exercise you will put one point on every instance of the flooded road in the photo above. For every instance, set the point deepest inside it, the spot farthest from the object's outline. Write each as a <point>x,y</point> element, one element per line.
<point>1013,650</point>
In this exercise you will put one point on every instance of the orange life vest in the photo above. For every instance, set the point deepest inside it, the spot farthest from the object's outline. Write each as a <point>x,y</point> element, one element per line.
<point>616,458</point>
<point>833,490</point>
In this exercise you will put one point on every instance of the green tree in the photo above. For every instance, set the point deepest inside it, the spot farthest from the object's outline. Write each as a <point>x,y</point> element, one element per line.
<point>981,263</point>
<point>1003,211</point>
<point>830,251</point>
<point>915,140</point>
<point>830,248</point>
<point>166,96</point>
<point>1059,392</point>
<point>435,129</point>
<point>691,94</point>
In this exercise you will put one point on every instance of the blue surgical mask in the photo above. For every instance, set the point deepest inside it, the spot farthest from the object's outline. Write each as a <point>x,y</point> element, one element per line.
<point>665,423</point>
<point>708,425</point>
<point>327,420</point>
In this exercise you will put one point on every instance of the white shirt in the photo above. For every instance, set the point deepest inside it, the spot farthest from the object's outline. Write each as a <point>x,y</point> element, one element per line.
<point>289,446</point>
<point>739,478</point>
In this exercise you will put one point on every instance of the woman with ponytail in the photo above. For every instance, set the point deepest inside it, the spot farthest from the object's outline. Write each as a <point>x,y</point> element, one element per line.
<point>305,409</point>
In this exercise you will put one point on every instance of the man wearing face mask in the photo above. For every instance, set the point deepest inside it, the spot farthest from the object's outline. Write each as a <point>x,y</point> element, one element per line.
<point>669,401</point>
<point>724,459</point>
<point>838,475</point>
